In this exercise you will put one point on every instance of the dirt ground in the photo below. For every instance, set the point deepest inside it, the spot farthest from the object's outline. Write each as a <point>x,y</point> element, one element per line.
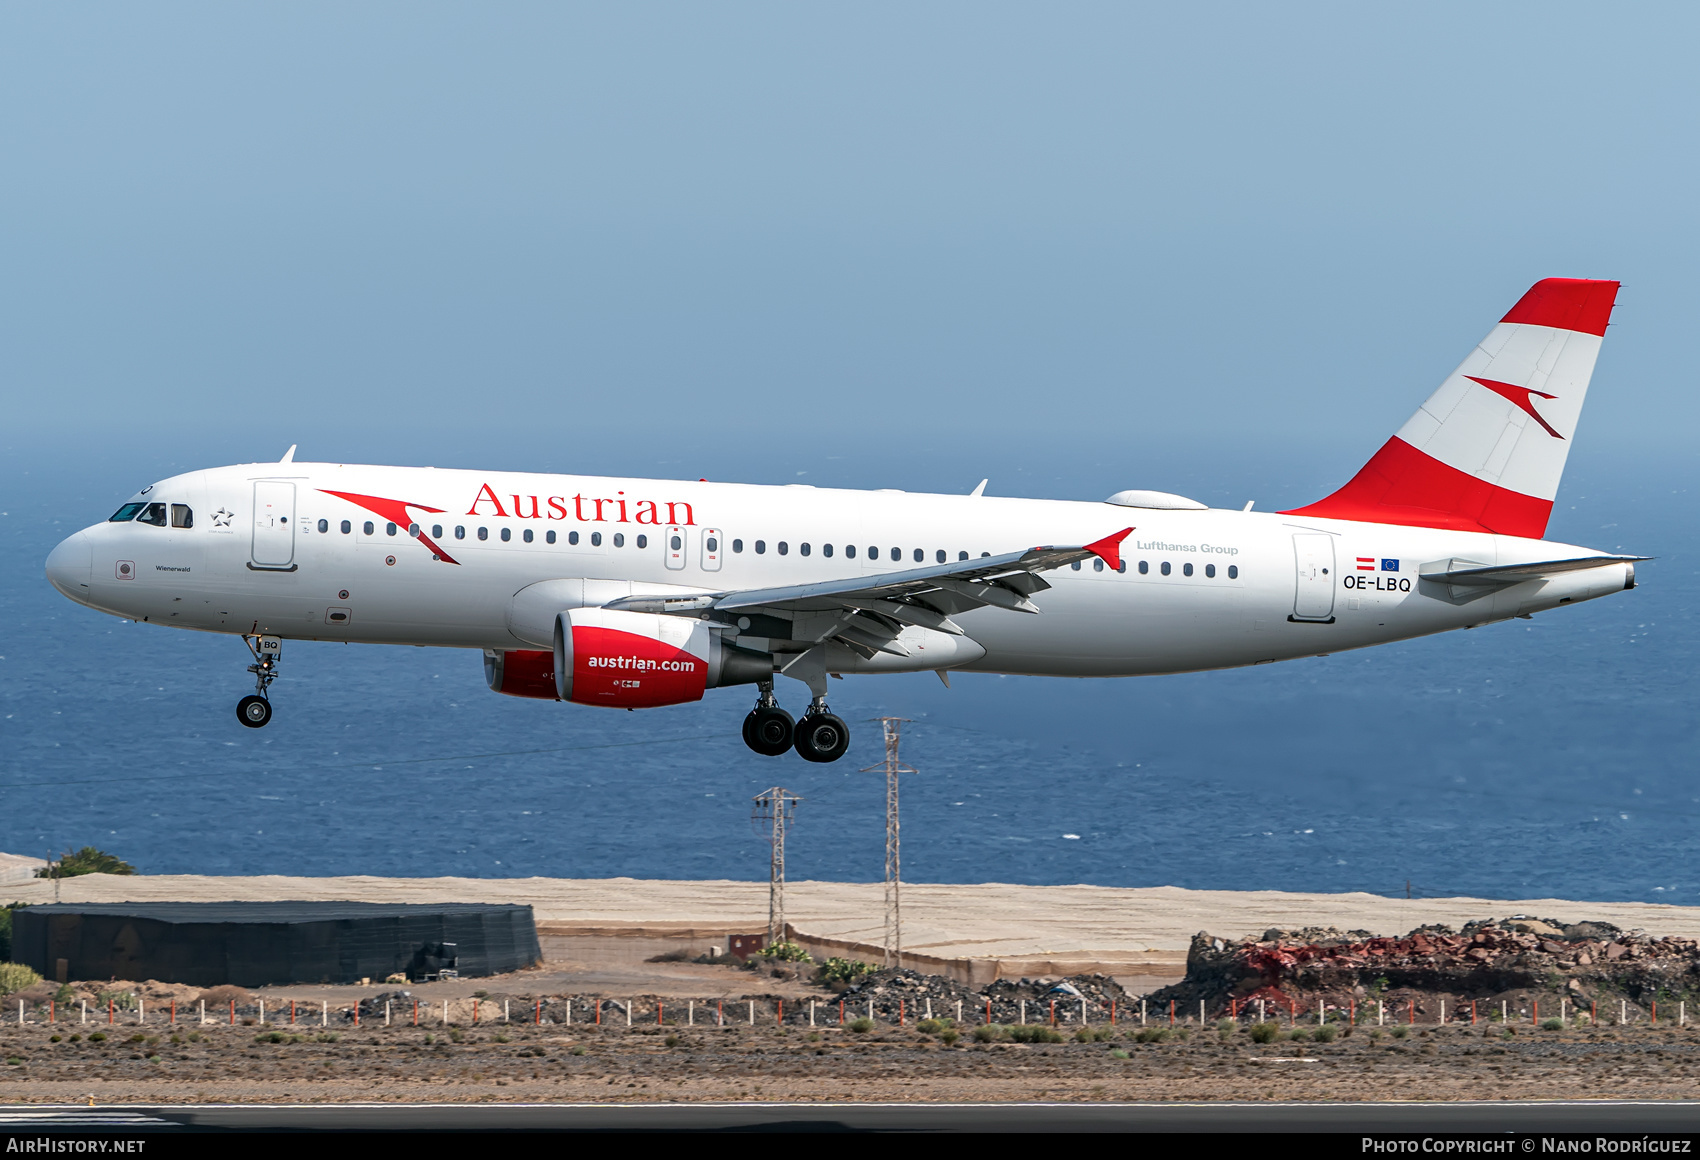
<point>528,1063</point>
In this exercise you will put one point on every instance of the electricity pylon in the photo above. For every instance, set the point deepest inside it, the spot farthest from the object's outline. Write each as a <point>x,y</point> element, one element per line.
<point>891,767</point>
<point>775,807</point>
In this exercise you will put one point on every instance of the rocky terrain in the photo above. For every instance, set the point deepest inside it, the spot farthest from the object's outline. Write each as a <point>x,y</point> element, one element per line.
<point>1519,966</point>
<point>895,1034</point>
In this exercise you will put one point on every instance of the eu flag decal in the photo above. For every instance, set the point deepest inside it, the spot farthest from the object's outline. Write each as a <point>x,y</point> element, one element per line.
<point>1390,565</point>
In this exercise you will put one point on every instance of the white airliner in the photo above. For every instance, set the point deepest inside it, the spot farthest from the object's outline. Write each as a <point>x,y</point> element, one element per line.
<point>634,593</point>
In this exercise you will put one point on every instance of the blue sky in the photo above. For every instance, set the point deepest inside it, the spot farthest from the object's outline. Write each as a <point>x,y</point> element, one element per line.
<point>618,237</point>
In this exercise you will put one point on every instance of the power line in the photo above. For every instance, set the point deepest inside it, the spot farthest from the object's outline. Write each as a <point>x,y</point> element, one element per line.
<point>369,763</point>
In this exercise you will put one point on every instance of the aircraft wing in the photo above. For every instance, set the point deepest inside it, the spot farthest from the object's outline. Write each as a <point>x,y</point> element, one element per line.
<point>868,612</point>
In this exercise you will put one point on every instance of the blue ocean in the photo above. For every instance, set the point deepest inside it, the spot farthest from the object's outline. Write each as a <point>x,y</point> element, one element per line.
<point>1552,757</point>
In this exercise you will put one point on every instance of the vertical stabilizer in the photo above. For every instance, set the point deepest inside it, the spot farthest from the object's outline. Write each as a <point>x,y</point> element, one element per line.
<point>1486,452</point>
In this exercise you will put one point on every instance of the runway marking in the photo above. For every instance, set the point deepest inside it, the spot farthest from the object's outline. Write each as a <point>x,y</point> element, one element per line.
<point>79,1118</point>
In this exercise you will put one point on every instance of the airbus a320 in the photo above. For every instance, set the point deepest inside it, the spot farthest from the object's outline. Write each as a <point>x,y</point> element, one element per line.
<point>634,593</point>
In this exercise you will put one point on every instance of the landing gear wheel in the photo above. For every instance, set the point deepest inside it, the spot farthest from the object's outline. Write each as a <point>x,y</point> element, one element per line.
<point>253,711</point>
<point>821,737</point>
<point>768,730</point>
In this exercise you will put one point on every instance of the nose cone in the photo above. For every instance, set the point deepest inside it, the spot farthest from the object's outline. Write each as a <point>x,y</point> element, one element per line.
<point>69,564</point>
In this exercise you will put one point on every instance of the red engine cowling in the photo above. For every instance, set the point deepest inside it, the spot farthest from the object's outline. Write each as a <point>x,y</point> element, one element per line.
<point>639,660</point>
<point>521,672</point>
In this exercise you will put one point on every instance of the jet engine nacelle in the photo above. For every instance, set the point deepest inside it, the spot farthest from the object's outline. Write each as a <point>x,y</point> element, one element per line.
<point>629,660</point>
<point>521,672</point>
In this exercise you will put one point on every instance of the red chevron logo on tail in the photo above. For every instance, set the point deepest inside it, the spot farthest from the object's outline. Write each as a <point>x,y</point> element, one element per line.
<point>1521,397</point>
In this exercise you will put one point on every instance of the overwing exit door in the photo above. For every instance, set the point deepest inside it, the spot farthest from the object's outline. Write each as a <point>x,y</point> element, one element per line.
<point>1314,556</point>
<point>274,526</point>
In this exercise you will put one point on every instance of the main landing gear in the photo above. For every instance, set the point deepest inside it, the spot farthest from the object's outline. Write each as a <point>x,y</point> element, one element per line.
<point>767,729</point>
<point>820,736</point>
<point>255,710</point>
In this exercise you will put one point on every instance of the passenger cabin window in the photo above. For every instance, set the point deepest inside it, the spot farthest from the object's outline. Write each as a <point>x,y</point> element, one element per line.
<point>803,549</point>
<point>1122,567</point>
<point>367,527</point>
<point>1233,571</point>
<point>941,555</point>
<point>572,538</point>
<point>549,537</point>
<point>737,545</point>
<point>619,539</point>
<point>483,533</point>
<point>1210,571</point>
<point>389,529</point>
<point>153,514</point>
<point>436,531</point>
<point>1165,568</point>
<point>507,534</point>
<point>347,527</point>
<point>1186,569</point>
<point>1097,565</point>
<point>460,532</point>
<point>920,555</point>
<point>643,542</point>
<point>962,555</point>
<point>897,553</point>
<point>527,536</point>
<point>850,551</point>
<point>596,539</point>
<point>784,547</point>
<point>413,530</point>
<point>826,549</point>
<point>324,525</point>
<point>1144,568</point>
<point>761,547</point>
<point>1075,565</point>
<point>126,513</point>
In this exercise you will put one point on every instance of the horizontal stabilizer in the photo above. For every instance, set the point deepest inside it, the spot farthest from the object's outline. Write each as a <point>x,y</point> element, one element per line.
<point>1468,572</point>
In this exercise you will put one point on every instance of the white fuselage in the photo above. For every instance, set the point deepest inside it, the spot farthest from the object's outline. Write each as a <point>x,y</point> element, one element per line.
<point>1202,589</point>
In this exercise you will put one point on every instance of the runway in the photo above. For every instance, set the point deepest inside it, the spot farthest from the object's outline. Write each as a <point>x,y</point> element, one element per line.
<point>1524,1118</point>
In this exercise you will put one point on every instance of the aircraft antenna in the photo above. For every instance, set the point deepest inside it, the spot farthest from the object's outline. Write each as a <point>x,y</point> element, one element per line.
<point>774,810</point>
<point>891,767</point>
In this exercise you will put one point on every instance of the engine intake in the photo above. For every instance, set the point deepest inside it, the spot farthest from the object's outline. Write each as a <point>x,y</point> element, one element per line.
<point>637,660</point>
<point>627,660</point>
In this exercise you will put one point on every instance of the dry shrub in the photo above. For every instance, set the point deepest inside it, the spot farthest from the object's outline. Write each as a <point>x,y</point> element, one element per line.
<point>15,977</point>
<point>221,996</point>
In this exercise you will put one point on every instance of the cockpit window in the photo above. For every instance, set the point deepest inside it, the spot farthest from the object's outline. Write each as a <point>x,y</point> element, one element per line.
<point>153,514</point>
<point>126,513</point>
<point>182,516</point>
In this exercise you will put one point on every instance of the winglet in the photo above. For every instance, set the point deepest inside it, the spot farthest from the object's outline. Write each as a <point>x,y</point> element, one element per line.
<point>1109,549</point>
<point>288,456</point>
<point>980,488</point>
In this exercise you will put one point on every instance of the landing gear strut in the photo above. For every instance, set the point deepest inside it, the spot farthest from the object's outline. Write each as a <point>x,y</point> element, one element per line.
<point>768,728</point>
<point>255,710</point>
<point>821,736</point>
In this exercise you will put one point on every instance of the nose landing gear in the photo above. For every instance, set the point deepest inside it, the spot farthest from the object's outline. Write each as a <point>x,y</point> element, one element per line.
<point>768,728</point>
<point>255,710</point>
<point>821,735</point>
